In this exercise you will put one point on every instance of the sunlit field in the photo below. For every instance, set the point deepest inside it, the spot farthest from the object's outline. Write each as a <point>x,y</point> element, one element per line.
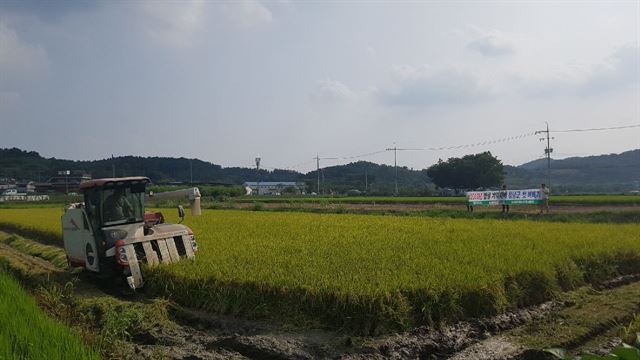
<point>374,273</point>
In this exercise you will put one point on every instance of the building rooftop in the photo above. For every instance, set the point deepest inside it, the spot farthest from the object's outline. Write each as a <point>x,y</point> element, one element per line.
<point>271,183</point>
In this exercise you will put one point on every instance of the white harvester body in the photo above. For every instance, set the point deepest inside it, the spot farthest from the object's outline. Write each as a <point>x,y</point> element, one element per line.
<point>110,233</point>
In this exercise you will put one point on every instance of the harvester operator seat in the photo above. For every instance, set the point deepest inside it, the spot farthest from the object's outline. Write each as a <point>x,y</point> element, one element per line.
<point>117,206</point>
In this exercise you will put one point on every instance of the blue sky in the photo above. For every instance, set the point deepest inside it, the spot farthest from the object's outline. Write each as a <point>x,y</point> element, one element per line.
<point>227,81</point>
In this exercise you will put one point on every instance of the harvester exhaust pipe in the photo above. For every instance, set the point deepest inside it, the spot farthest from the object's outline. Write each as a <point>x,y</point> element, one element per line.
<point>193,194</point>
<point>195,206</point>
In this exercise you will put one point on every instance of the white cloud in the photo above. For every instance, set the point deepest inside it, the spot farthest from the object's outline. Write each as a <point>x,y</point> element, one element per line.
<point>179,23</point>
<point>19,60</point>
<point>619,70</point>
<point>426,86</point>
<point>246,13</point>
<point>20,65</point>
<point>174,23</point>
<point>329,90</point>
<point>491,43</point>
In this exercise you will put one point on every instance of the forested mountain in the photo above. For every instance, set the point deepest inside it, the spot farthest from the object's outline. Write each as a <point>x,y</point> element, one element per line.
<point>614,172</point>
<point>19,164</point>
<point>369,177</point>
<point>29,165</point>
<point>609,173</point>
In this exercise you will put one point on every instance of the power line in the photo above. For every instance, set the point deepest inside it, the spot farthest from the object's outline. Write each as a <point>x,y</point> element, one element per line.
<point>395,150</point>
<point>362,155</point>
<point>481,143</point>
<point>457,147</point>
<point>299,164</point>
<point>317,159</point>
<point>599,129</point>
<point>548,150</point>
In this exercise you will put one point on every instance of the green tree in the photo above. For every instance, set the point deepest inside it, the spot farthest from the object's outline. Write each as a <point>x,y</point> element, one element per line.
<point>290,190</point>
<point>468,172</point>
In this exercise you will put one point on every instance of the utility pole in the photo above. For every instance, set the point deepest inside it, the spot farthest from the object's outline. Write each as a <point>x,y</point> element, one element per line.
<point>66,174</point>
<point>113,166</point>
<point>395,165</point>
<point>258,175</point>
<point>366,181</point>
<point>548,150</point>
<point>318,171</point>
<point>318,158</point>
<point>395,150</point>
<point>191,171</point>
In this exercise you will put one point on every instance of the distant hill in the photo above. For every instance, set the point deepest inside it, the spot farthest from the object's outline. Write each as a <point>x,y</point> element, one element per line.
<point>29,165</point>
<point>613,172</point>
<point>370,177</point>
<point>603,173</point>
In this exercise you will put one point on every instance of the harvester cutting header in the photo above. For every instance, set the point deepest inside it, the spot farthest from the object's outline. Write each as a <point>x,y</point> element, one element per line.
<point>110,232</point>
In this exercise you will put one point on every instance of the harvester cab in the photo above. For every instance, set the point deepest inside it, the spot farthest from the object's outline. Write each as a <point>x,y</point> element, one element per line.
<point>110,233</point>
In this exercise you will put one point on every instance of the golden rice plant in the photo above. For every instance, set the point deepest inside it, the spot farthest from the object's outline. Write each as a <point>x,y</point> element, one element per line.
<point>371,274</point>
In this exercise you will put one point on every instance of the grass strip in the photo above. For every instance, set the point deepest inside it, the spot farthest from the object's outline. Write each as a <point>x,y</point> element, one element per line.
<point>26,332</point>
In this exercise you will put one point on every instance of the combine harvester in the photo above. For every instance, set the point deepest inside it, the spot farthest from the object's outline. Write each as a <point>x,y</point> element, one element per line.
<point>110,233</point>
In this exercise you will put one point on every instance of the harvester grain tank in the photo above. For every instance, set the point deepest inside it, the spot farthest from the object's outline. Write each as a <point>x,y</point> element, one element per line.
<point>110,233</point>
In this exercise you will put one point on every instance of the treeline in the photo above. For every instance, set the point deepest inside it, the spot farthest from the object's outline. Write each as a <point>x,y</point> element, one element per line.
<point>592,174</point>
<point>370,178</point>
<point>364,177</point>
<point>605,173</point>
<point>218,192</point>
<point>29,165</point>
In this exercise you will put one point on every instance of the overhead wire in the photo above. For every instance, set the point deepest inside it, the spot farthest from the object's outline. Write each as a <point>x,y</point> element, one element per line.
<point>462,146</point>
<point>598,129</point>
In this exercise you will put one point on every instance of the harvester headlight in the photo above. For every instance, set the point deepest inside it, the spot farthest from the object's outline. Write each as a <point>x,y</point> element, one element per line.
<point>111,236</point>
<point>121,253</point>
<point>193,242</point>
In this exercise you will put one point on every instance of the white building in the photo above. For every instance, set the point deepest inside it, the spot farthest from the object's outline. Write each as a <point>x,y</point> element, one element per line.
<point>7,183</point>
<point>273,187</point>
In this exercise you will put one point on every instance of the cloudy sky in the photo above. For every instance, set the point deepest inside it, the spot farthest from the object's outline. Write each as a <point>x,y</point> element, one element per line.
<point>226,81</point>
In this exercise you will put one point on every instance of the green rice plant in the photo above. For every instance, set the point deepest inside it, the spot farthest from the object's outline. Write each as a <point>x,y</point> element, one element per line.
<point>27,333</point>
<point>632,330</point>
<point>53,254</point>
<point>622,352</point>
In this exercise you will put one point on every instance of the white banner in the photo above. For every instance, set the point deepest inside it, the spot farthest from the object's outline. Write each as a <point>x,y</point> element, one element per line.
<point>505,197</point>
<point>4,198</point>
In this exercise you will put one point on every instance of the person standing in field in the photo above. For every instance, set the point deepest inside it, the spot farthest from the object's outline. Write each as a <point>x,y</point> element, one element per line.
<point>505,206</point>
<point>544,205</point>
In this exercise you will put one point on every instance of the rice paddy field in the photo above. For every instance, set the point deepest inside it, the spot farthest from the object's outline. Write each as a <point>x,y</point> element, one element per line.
<point>555,199</point>
<point>374,274</point>
<point>26,332</point>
